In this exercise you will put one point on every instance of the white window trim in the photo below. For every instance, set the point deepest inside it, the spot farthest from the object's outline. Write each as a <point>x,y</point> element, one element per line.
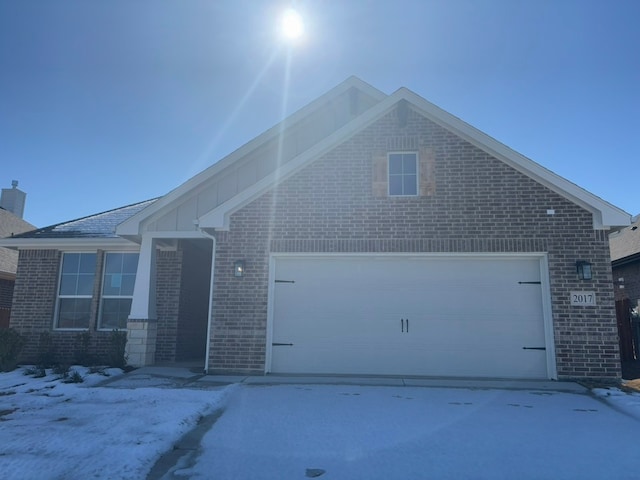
<point>56,316</point>
<point>417,194</point>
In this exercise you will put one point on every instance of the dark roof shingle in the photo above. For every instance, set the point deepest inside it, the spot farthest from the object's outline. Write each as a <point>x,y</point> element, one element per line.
<point>100,225</point>
<point>626,242</point>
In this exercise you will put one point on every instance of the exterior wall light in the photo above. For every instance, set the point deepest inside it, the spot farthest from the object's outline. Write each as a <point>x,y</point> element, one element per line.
<point>584,270</point>
<point>238,268</point>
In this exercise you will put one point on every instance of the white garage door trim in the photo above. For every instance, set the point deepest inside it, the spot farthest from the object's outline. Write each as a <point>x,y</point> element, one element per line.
<point>544,278</point>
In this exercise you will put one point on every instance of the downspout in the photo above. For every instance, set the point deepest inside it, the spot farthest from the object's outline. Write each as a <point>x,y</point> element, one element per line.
<point>210,312</point>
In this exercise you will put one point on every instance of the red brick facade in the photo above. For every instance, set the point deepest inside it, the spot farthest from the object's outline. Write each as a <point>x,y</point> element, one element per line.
<point>477,204</point>
<point>34,303</point>
<point>182,295</point>
<point>169,273</point>
<point>35,300</point>
<point>470,202</point>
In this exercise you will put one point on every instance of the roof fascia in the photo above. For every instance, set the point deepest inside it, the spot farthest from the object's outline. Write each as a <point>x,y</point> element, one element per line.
<point>633,258</point>
<point>67,243</point>
<point>218,218</point>
<point>131,226</point>
<point>605,215</point>
<point>7,276</point>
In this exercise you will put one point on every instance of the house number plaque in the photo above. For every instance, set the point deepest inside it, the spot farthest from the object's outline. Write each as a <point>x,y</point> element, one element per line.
<point>583,299</point>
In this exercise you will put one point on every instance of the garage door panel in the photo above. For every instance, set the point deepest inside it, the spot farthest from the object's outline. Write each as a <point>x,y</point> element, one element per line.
<point>466,316</point>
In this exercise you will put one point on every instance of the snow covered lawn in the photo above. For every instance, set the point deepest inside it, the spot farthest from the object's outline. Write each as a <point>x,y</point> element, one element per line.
<point>349,432</point>
<point>52,430</point>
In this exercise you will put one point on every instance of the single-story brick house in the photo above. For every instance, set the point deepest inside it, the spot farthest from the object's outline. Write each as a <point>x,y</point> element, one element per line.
<point>625,264</point>
<point>625,261</point>
<point>365,234</point>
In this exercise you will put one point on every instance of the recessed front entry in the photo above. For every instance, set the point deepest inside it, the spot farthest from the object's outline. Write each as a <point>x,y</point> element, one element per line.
<point>463,316</point>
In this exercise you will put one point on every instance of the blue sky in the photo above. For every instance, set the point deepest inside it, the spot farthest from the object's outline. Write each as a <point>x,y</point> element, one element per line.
<point>106,103</point>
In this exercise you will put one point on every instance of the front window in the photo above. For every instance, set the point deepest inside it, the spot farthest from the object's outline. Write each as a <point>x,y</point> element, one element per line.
<point>76,290</point>
<point>117,290</point>
<point>403,174</point>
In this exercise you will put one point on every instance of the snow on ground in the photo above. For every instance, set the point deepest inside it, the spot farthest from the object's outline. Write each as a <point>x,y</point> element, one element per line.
<point>347,432</point>
<point>53,430</point>
<point>626,402</point>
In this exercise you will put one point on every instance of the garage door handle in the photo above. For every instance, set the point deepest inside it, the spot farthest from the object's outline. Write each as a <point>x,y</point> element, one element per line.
<point>534,348</point>
<point>402,320</point>
<point>282,344</point>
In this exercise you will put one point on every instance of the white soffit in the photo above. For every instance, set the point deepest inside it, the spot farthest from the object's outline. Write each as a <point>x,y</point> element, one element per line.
<point>68,243</point>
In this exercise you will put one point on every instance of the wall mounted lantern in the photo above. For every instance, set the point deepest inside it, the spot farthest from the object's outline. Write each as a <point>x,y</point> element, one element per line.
<point>584,270</point>
<point>238,268</point>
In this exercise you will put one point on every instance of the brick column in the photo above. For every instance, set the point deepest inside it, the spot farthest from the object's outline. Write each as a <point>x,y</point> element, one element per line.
<point>141,342</point>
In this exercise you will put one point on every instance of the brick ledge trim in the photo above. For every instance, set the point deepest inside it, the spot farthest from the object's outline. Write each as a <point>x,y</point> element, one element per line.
<point>427,245</point>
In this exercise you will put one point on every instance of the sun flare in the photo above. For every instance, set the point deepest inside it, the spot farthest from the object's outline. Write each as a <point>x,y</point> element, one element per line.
<point>292,25</point>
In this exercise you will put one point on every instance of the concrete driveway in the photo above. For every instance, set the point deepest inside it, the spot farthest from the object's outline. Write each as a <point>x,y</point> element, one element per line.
<point>298,431</point>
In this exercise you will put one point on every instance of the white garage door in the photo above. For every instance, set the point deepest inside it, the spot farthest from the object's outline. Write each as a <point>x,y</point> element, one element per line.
<point>398,315</point>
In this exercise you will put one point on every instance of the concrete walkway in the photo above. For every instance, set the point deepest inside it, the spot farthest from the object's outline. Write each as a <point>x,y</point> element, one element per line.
<point>183,377</point>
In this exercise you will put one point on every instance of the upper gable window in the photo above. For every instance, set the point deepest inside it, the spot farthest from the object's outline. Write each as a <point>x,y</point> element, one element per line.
<point>403,174</point>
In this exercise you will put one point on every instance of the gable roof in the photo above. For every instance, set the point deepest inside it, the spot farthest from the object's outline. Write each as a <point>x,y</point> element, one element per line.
<point>625,244</point>
<point>11,224</point>
<point>605,215</point>
<point>127,223</point>
<point>100,227</point>
<point>131,227</point>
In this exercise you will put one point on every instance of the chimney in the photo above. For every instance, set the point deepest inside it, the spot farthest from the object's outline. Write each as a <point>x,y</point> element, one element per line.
<point>12,199</point>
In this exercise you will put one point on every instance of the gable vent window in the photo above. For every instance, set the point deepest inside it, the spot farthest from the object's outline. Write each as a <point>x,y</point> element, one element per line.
<point>403,174</point>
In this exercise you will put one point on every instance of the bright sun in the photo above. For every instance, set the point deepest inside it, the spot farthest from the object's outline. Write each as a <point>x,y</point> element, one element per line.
<point>292,26</point>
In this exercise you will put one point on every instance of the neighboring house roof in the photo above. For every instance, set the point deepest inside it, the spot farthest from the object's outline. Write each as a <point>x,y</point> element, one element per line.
<point>10,224</point>
<point>100,227</point>
<point>605,215</point>
<point>625,244</point>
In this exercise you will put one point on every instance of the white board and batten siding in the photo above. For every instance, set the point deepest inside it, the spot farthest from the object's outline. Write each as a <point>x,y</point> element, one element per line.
<point>483,316</point>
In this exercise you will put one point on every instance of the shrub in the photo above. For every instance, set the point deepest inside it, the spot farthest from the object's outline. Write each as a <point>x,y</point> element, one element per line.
<point>11,343</point>
<point>99,369</point>
<point>75,377</point>
<point>47,357</point>
<point>117,354</point>
<point>82,354</point>
<point>36,372</point>
<point>61,369</point>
